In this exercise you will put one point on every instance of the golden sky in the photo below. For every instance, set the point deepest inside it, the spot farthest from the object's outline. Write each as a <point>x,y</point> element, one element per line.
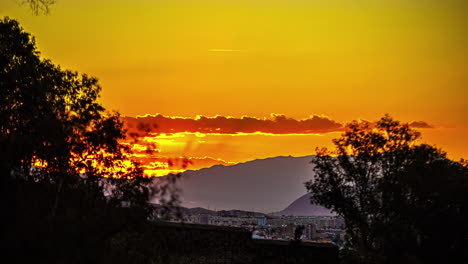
<point>338,59</point>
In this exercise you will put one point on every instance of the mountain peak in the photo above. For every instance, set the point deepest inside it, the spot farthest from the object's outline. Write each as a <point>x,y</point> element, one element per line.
<point>302,206</point>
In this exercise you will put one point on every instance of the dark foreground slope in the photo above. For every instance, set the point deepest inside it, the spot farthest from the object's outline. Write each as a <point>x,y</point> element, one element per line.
<point>168,243</point>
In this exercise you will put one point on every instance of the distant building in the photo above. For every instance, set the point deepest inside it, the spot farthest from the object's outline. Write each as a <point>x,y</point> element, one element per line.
<point>262,220</point>
<point>310,231</point>
<point>290,227</point>
<point>203,219</point>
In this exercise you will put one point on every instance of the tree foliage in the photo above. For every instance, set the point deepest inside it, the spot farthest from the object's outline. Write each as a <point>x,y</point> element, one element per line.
<point>65,176</point>
<point>298,232</point>
<point>402,202</point>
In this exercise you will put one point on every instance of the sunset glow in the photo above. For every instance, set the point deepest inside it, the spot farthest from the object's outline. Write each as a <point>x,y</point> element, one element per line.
<point>197,81</point>
<point>162,143</point>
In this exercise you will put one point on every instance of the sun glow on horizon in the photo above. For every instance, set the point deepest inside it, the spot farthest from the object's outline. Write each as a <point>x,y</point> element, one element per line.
<point>217,70</point>
<point>161,153</point>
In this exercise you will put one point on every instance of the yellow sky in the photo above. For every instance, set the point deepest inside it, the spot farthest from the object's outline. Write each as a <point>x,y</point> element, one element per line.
<point>341,58</point>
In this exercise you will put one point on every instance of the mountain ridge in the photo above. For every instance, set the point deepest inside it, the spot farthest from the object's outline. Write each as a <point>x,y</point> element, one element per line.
<point>261,185</point>
<point>302,206</point>
<point>261,159</point>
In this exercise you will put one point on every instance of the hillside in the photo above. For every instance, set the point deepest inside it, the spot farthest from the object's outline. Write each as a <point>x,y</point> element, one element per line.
<point>303,207</point>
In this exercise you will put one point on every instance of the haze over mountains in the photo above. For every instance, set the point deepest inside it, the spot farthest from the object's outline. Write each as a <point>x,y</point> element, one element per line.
<point>264,185</point>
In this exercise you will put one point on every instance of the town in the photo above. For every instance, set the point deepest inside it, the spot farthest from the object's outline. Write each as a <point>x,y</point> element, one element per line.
<point>322,229</point>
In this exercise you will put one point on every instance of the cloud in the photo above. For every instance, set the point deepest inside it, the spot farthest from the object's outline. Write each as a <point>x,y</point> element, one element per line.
<point>420,124</point>
<point>276,124</point>
<point>171,144</point>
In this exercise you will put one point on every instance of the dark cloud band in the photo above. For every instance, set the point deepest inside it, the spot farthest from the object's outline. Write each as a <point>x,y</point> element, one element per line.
<point>278,124</point>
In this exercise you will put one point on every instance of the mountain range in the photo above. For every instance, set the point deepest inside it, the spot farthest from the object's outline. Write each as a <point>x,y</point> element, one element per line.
<point>263,185</point>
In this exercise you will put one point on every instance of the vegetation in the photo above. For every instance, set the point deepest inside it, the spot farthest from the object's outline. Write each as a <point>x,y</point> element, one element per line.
<point>68,185</point>
<point>402,202</point>
<point>298,232</point>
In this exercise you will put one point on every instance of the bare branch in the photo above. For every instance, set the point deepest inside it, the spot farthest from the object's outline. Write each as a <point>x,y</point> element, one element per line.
<point>38,6</point>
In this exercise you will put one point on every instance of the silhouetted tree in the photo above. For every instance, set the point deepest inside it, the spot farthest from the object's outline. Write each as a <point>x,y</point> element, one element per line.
<point>402,202</point>
<point>298,231</point>
<point>69,185</point>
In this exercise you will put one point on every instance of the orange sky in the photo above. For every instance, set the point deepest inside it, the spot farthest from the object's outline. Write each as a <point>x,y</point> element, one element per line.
<point>207,141</point>
<point>338,59</point>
